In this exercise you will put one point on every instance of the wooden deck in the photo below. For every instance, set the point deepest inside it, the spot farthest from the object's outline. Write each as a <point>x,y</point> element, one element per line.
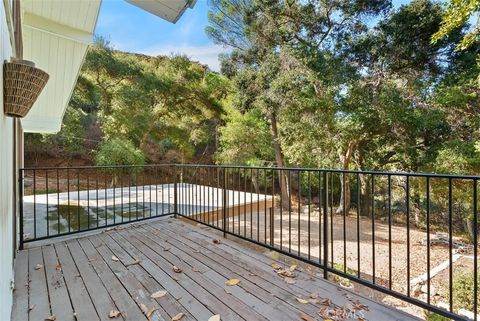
<point>86,278</point>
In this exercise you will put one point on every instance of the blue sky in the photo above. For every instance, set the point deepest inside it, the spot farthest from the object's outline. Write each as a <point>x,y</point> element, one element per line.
<point>132,29</point>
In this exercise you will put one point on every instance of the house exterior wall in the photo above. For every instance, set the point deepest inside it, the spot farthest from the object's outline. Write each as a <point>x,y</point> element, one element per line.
<point>6,177</point>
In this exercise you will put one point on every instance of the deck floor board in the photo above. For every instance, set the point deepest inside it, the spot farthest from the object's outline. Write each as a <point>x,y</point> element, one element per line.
<point>80,280</point>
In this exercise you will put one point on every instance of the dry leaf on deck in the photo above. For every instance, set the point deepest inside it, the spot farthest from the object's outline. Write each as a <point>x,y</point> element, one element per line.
<point>31,307</point>
<point>293,268</point>
<point>158,294</point>
<point>38,266</point>
<point>178,317</point>
<point>114,258</point>
<point>113,314</point>
<point>135,262</point>
<point>148,312</point>
<point>58,267</point>
<point>217,241</point>
<point>289,280</point>
<point>194,269</point>
<point>215,317</point>
<point>303,301</point>
<point>51,318</point>
<point>286,273</point>
<point>306,317</point>
<point>232,282</point>
<point>275,266</point>
<point>325,301</point>
<point>359,306</point>
<point>176,269</point>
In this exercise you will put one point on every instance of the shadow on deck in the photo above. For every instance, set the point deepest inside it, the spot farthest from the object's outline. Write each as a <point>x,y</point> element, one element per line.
<point>86,278</point>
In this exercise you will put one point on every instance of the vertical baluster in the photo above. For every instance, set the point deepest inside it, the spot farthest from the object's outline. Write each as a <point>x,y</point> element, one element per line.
<point>428,239</point>
<point>475,250</point>
<point>46,196</point>
<point>450,246</point>
<point>289,211</point>
<point>389,232</point>
<point>358,225</point>
<point>373,229</point>
<point>309,183</point>
<point>344,205</point>
<point>58,203</point>
<point>408,232</point>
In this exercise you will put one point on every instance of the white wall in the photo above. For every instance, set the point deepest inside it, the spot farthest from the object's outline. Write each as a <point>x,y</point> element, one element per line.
<point>6,181</point>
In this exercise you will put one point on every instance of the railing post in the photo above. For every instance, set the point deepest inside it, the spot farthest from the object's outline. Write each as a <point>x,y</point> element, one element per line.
<point>20,207</point>
<point>325,226</point>
<point>175,193</point>
<point>224,199</point>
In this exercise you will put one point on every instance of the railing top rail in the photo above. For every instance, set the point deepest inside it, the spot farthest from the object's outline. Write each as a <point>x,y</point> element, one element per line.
<point>368,172</point>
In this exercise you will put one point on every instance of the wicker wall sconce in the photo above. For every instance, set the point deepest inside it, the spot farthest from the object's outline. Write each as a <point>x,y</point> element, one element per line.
<point>22,84</point>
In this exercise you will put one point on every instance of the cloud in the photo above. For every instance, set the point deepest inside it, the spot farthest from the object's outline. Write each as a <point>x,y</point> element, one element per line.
<point>205,54</point>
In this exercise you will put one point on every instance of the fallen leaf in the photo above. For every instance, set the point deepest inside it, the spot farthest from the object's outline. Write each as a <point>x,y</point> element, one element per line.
<point>325,301</point>
<point>58,267</point>
<point>51,318</point>
<point>274,255</point>
<point>158,294</point>
<point>166,249</point>
<point>293,268</point>
<point>314,295</point>
<point>359,306</point>
<point>176,269</point>
<point>286,273</point>
<point>303,301</point>
<point>194,269</point>
<point>232,282</point>
<point>148,312</point>
<point>306,317</point>
<point>275,266</point>
<point>38,266</point>
<point>135,262</point>
<point>217,241</point>
<point>113,314</point>
<point>114,258</point>
<point>178,317</point>
<point>31,307</point>
<point>289,280</point>
<point>215,317</point>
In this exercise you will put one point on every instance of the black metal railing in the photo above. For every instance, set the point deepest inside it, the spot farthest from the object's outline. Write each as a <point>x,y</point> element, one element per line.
<point>411,236</point>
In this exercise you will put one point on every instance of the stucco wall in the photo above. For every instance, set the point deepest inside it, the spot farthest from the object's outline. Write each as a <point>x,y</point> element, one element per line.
<point>6,182</point>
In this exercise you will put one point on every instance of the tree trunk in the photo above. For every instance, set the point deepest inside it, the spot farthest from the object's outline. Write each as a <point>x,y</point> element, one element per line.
<point>284,188</point>
<point>345,195</point>
<point>365,189</point>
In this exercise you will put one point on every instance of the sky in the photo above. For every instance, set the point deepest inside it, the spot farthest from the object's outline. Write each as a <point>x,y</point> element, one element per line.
<point>132,29</point>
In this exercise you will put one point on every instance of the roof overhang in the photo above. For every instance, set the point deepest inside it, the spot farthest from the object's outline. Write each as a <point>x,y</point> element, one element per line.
<point>170,10</point>
<point>56,36</point>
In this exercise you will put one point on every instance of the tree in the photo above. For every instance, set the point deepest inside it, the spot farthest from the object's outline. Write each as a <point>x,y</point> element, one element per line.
<point>119,151</point>
<point>457,16</point>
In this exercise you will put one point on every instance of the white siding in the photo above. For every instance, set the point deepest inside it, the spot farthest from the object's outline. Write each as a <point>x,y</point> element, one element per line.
<point>6,182</point>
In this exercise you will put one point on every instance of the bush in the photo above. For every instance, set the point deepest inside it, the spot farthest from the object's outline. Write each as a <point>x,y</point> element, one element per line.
<point>119,151</point>
<point>463,291</point>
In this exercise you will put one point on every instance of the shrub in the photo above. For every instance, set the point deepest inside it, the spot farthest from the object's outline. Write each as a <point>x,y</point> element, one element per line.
<point>118,151</point>
<point>463,291</point>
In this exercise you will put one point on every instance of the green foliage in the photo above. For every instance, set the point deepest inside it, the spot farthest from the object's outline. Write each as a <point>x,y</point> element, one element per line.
<point>463,291</point>
<point>245,139</point>
<point>119,151</point>
<point>456,16</point>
